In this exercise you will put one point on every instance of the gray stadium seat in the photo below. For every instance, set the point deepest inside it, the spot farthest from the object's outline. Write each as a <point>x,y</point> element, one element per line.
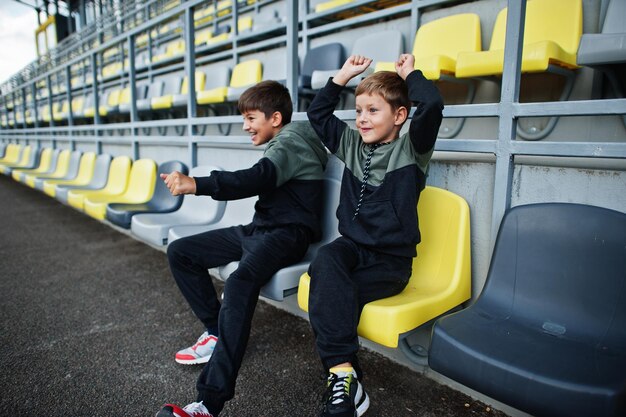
<point>267,18</point>
<point>194,210</point>
<point>285,282</point>
<point>606,51</point>
<point>171,86</point>
<point>155,89</point>
<point>326,57</point>
<point>162,200</point>
<point>385,46</point>
<point>180,99</point>
<point>98,180</point>
<point>609,46</point>
<point>235,212</point>
<point>547,335</point>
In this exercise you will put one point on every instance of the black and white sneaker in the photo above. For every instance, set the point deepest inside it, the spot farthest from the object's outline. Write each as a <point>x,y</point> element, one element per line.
<point>345,396</point>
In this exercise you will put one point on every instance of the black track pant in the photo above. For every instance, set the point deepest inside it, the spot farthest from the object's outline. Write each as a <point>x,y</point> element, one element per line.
<point>344,277</point>
<point>261,252</point>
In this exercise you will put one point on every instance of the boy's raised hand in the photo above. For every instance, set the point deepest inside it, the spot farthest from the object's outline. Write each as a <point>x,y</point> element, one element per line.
<point>405,65</point>
<point>353,66</point>
<point>179,183</point>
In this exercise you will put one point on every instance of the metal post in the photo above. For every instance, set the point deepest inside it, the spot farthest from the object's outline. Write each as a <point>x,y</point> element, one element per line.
<point>507,123</point>
<point>68,95</point>
<point>190,69</point>
<point>132,85</point>
<point>96,101</point>
<point>49,88</point>
<point>23,107</point>
<point>292,51</point>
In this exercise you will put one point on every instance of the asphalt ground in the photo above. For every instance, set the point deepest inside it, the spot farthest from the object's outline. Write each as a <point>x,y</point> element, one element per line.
<point>90,319</point>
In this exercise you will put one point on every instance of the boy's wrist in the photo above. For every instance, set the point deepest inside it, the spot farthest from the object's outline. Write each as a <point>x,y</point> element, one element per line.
<point>341,79</point>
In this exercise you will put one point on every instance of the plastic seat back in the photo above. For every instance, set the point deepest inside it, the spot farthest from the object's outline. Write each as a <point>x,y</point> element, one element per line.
<point>119,170</point>
<point>615,15</point>
<point>141,180</point>
<point>246,73</point>
<point>85,168</point>
<point>383,46</point>
<point>12,154</point>
<point>558,21</point>
<point>546,260</point>
<point>44,165</point>
<point>443,39</point>
<point>22,157</point>
<point>162,195</point>
<point>200,82</point>
<point>63,162</point>
<point>322,58</point>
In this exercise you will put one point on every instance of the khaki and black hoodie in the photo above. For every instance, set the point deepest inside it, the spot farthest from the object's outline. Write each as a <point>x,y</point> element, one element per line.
<point>288,180</point>
<point>387,214</point>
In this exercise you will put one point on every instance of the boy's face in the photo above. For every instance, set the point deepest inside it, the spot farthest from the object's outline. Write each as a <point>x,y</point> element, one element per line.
<point>260,128</point>
<point>376,121</point>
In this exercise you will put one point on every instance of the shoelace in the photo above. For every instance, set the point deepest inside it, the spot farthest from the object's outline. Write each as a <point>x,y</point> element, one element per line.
<point>200,342</point>
<point>366,174</point>
<point>197,410</point>
<point>339,387</point>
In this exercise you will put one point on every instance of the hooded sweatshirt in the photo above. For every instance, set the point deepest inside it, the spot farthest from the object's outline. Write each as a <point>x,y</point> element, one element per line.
<point>378,205</point>
<point>288,180</point>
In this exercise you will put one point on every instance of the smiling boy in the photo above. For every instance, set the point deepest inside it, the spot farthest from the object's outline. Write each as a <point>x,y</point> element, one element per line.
<point>382,180</point>
<point>288,180</point>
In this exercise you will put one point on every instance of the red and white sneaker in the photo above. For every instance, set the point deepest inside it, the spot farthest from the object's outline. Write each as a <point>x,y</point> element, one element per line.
<point>200,352</point>
<point>190,410</point>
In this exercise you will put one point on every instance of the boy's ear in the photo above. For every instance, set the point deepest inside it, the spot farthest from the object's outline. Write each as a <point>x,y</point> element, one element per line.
<point>401,114</point>
<point>276,119</point>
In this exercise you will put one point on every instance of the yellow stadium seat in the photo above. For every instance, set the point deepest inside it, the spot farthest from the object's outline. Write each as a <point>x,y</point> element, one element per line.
<point>116,184</point>
<point>552,33</point>
<point>23,160</point>
<point>202,36</point>
<point>85,172</point>
<point>60,169</point>
<point>385,66</point>
<point>551,36</point>
<point>322,7</point>
<point>172,49</point>
<point>180,100</point>
<point>244,23</point>
<point>441,278</point>
<point>142,179</point>
<point>112,102</point>
<point>438,43</point>
<point>245,74</point>
<point>44,165</point>
<point>11,154</point>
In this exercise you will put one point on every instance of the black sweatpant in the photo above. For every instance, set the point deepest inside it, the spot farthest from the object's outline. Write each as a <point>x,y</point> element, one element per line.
<point>344,277</point>
<point>261,252</point>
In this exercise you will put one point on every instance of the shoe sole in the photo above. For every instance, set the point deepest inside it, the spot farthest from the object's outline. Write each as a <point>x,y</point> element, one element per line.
<point>197,361</point>
<point>363,406</point>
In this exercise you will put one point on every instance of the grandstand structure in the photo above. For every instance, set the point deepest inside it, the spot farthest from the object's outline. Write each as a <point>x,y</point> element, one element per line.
<point>533,89</point>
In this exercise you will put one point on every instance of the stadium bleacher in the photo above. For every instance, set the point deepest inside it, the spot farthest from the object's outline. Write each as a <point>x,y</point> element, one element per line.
<point>71,124</point>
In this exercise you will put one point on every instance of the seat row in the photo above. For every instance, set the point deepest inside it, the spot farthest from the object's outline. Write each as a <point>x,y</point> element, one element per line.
<point>129,195</point>
<point>446,49</point>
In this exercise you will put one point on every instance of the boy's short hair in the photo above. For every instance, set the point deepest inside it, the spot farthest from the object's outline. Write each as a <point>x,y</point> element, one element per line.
<point>267,97</point>
<point>389,85</point>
